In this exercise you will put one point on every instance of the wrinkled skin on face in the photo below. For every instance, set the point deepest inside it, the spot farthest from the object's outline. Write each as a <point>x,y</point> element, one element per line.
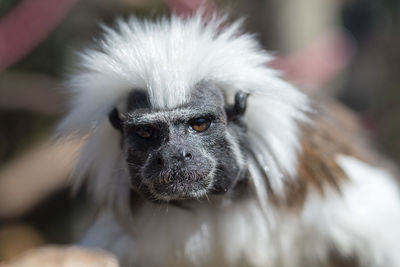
<point>182,153</point>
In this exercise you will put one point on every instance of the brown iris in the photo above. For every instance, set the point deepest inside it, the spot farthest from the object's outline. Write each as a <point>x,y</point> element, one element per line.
<point>200,124</point>
<point>145,132</point>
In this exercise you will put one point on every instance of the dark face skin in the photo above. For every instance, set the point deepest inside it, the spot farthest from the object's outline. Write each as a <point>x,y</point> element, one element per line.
<point>181,153</point>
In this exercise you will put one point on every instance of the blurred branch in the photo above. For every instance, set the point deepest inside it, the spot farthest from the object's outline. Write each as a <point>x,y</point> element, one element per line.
<point>27,25</point>
<point>32,177</point>
<point>33,92</point>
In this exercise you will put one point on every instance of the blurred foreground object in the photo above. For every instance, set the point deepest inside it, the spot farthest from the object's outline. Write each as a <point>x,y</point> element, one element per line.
<point>29,179</point>
<point>59,256</point>
<point>17,238</point>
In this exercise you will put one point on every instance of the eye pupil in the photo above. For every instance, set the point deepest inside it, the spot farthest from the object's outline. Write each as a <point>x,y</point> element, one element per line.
<point>144,132</point>
<point>200,125</point>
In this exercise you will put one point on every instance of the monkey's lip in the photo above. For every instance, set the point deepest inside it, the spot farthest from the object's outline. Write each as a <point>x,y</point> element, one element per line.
<point>171,179</point>
<point>171,188</point>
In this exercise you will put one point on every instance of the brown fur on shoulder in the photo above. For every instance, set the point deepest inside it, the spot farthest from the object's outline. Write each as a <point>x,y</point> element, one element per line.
<point>334,130</point>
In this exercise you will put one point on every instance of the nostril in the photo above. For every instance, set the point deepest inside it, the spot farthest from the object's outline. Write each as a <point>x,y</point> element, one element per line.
<point>185,155</point>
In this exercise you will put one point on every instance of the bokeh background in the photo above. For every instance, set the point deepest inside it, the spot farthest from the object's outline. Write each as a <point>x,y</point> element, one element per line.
<point>349,49</point>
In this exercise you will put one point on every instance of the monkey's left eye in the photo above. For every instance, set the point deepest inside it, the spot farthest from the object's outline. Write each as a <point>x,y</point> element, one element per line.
<point>145,132</point>
<point>200,124</point>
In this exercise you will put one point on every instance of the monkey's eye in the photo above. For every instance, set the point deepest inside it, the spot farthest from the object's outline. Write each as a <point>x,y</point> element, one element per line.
<point>200,124</point>
<point>145,132</point>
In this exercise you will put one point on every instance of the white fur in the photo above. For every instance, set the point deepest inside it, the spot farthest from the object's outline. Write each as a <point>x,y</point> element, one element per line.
<point>362,221</point>
<point>168,58</point>
<point>371,213</point>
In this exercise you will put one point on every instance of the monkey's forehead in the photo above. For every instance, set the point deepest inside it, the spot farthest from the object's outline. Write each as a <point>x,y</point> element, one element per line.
<point>202,93</point>
<point>172,115</point>
<point>206,100</point>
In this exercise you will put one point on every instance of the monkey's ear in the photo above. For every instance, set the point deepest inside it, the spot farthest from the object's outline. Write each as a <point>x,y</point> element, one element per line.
<point>239,107</point>
<point>115,119</point>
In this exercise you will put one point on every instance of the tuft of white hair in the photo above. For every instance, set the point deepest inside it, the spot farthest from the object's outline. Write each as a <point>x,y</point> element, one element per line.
<point>168,57</point>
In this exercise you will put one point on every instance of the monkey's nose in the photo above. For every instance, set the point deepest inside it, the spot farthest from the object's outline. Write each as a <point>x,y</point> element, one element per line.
<point>159,160</point>
<point>182,155</point>
<point>186,155</point>
<point>173,155</point>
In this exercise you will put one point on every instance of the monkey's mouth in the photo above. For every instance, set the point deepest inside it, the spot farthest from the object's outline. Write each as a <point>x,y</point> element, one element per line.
<point>178,186</point>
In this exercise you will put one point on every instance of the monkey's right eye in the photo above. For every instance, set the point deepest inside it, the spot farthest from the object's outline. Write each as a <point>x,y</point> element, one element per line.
<point>145,132</point>
<point>200,124</point>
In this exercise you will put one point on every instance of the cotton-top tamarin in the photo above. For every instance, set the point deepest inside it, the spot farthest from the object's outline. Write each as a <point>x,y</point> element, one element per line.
<point>199,154</point>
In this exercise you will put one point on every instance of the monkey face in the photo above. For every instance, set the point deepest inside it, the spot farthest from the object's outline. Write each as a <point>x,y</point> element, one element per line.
<point>180,153</point>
